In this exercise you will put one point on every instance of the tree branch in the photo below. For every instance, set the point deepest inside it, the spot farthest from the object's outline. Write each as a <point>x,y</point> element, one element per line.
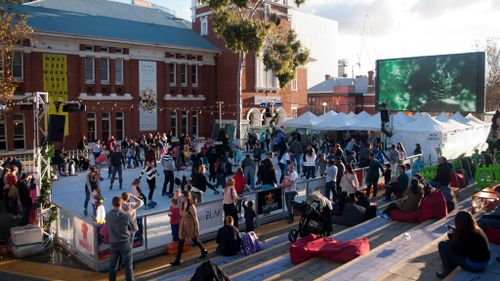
<point>254,9</point>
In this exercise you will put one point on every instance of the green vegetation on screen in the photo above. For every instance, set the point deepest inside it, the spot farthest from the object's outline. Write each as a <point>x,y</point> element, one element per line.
<point>436,83</point>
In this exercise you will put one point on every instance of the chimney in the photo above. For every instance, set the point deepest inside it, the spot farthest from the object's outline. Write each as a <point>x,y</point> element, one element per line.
<point>327,76</point>
<point>370,77</point>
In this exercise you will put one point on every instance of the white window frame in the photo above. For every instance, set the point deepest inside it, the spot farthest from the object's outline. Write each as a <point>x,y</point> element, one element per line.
<point>89,81</point>
<point>195,121</point>
<point>293,112</point>
<point>104,50</point>
<point>21,55</point>
<point>118,51</point>
<point>185,117</point>
<point>18,138</point>
<point>104,119</point>
<point>4,139</point>
<point>106,81</point>
<point>194,74</point>
<point>204,25</point>
<point>293,85</point>
<point>173,129</point>
<point>264,79</point>
<point>184,80</point>
<point>120,119</point>
<point>93,120</point>
<point>174,73</point>
<point>119,75</point>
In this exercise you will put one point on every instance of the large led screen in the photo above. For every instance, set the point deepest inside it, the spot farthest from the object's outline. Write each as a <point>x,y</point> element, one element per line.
<point>432,83</point>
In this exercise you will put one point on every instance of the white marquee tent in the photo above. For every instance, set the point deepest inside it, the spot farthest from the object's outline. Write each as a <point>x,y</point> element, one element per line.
<point>448,137</point>
<point>371,123</point>
<point>307,120</point>
<point>400,120</point>
<point>339,122</point>
<point>442,117</point>
<point>327,114</point>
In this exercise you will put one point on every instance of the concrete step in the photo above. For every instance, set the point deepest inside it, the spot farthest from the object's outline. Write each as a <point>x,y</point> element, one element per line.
<point>386,256</point>
<point>316,267</point>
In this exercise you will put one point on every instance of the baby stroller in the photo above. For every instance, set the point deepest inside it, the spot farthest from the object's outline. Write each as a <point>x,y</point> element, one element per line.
<point>311,221</point>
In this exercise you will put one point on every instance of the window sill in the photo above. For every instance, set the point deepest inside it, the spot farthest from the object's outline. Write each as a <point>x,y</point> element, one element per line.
<point>104,82</point>
<point>89,82</point>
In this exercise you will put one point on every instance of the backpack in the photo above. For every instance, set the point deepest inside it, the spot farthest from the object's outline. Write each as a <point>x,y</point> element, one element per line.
<point>250,243</point>
<point>208,271</point>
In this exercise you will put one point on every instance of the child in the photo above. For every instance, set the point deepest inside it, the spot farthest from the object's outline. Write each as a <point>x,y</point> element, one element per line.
<point>100,216</point>
<point>175,217</point>
<point>387,175</point>
<point>249,216</point>
<point>97,201</point>
<point>136,190</point>
<point>72,168</point>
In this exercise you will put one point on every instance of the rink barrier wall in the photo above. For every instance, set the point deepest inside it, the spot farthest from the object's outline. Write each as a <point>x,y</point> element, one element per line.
<point>79,235</point>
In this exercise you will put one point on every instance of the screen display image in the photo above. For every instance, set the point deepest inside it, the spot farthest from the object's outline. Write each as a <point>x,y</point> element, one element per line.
<point>432,83</point>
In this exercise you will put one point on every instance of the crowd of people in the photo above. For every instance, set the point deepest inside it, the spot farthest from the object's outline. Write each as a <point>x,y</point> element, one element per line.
<point>274,159</point>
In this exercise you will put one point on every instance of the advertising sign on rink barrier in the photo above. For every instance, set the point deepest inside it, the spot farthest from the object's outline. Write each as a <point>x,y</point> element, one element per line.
<point>269,201</point>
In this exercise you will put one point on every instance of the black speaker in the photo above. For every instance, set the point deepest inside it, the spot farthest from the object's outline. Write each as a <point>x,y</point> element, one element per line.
<point>56,127</point>
<point>384,116</point>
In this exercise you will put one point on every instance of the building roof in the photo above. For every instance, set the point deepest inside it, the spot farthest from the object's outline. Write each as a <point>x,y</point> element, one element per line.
<point>360,85</point>
<point>81,24</point>
<point>111,9</point>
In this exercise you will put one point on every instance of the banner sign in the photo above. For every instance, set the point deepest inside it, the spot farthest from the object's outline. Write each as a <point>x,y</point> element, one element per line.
<point>266,99</point>
<point>210,215</point>
<point>55,82</point>
<point>84,237</point>
<point>148,119</point>
<point>269,200</point>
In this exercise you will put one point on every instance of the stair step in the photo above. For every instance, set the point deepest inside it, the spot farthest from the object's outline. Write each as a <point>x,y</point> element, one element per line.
<point>383,258</point>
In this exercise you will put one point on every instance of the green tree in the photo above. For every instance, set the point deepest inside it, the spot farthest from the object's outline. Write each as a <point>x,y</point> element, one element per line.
<point>246,27</point>
<point>13,29</point>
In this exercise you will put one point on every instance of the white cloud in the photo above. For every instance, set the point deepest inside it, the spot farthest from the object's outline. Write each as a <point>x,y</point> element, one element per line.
<point>399,28</point>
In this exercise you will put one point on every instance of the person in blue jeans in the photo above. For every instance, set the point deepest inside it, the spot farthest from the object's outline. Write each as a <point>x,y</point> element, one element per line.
<point>289,184</point>
<point>120,226</point>
<point>467,247</point>
<point>91,184</point>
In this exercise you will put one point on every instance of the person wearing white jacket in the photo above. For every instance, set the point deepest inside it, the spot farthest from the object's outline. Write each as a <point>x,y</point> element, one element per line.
<point>309,163</point>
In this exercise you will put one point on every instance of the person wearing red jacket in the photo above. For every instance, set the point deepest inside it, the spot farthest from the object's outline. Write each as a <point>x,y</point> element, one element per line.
<point>239,184</point>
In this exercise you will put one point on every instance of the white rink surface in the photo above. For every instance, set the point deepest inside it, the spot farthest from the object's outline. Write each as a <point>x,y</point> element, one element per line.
<point>69,192</point>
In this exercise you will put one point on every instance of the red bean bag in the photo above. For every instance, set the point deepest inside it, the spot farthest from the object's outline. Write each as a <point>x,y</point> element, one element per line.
<point>299,252</point>
<point>457,180</point>
<point>493,235</point>
<point>432,207</point>
<point>342,251</point>
<point>328,248</point>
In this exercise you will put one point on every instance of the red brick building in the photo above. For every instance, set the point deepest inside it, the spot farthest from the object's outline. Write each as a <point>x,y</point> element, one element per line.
<point>105,54</point>
<point>343,94</point>
<point>79,52</point>
<point>259,86</point>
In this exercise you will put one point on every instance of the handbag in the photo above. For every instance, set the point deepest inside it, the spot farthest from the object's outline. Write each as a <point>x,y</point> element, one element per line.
<point>13,192</point>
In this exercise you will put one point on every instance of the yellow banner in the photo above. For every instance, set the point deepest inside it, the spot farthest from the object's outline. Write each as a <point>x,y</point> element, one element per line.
<point>55,82</point>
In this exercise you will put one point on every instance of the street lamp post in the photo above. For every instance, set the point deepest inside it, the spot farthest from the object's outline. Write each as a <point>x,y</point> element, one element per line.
<point>324,107</point>
<point>220,103</point>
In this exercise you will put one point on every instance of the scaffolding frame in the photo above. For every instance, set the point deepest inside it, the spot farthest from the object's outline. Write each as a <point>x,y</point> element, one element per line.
<point>40,137</point>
